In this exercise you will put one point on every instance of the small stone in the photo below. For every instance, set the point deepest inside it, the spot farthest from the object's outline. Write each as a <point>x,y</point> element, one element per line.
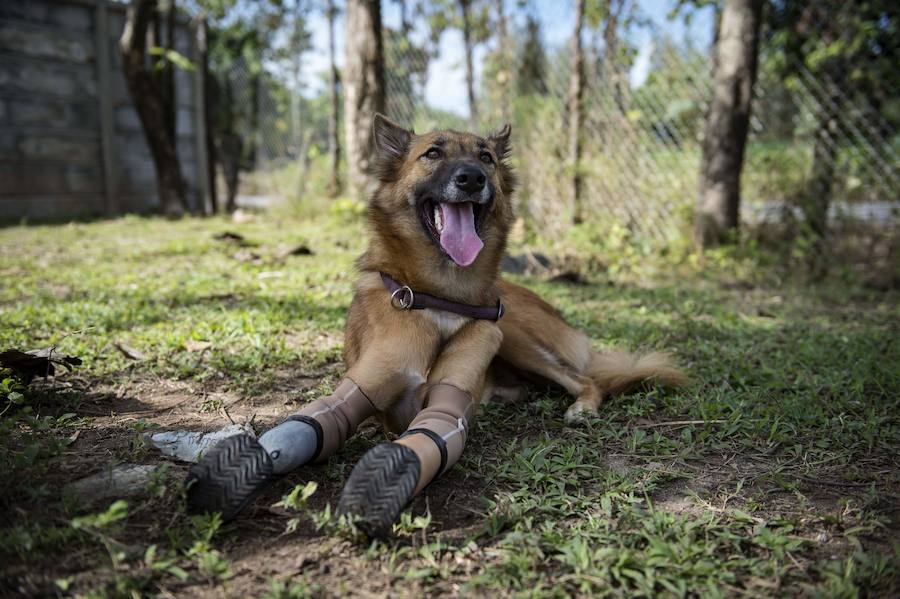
<point>189,446</point>
<point>124,480</point>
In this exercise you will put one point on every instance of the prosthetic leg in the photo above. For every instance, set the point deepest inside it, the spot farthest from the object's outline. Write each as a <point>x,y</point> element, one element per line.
<point>391,474</point>
<point>231,474</point>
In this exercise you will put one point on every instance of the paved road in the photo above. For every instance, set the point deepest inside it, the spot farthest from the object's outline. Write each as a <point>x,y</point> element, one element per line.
<point>883,213</point>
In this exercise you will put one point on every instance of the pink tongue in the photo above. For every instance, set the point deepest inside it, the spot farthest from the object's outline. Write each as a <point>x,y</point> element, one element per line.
<point>458,237</point>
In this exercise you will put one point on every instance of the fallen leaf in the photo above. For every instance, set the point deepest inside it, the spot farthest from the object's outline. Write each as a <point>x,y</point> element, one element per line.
<point>242,216</point>
<point>194,346</point>
<point>230,236</point>
<point>297,250</point>
<point>569,276</point>
<point>270,274</point>
<point>247,256</point>
<point>129,352</point>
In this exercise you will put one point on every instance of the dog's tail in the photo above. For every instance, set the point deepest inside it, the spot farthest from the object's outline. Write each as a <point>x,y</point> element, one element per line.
<point>620,372</point>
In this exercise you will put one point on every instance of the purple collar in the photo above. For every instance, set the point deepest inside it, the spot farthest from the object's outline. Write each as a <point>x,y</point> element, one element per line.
<point>404,298</point>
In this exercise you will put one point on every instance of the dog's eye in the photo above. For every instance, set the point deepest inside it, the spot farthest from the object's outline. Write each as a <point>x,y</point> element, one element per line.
<point>487,158</point>
<point>433,153</point>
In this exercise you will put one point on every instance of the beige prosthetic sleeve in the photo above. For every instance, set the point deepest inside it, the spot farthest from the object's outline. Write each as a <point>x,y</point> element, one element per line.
<point>438,434</point>
<point>336,417</point>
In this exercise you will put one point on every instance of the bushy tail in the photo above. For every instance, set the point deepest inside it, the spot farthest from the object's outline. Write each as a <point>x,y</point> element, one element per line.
<point>621,372</point>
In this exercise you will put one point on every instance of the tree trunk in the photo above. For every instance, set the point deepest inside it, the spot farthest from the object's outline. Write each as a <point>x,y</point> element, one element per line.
<point>231,148</point>
<point>334,142</point>
<point>576,98</point>
<point>231,151</point>
<point>405,24</point>
<point>824,161</point>
<point>364,93</point>
<point>150,104</point>
<point>209,114</point>
<point>505,62</point>
<point>613,74</point>
<point>815,207</point>
<point>168,72</point>
<point>252,148</point>
<point>470,71</point>
<point>727,123</point>
<point>818,197</point>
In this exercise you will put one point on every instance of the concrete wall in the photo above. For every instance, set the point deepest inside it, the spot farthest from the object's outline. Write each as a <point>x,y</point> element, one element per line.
<point>71,143</point>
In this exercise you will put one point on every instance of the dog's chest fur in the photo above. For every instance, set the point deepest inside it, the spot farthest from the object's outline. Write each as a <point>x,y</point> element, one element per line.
<point>447,322</point>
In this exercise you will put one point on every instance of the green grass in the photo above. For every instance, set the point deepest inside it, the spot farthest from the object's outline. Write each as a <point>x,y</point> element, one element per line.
<point>775,473</point>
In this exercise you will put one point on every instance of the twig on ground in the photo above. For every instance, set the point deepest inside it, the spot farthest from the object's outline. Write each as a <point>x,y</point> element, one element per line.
<point>679,423</point>
<point>838,483</point>
<point>227,415</point>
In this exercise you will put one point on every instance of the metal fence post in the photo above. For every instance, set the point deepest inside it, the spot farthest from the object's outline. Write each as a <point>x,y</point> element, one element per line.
<point>198,45</point>
<point>101,26</point>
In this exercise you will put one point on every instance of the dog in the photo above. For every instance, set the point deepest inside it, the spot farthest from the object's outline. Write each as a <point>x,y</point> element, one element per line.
<point>395,355</point>
<point>432,331</point>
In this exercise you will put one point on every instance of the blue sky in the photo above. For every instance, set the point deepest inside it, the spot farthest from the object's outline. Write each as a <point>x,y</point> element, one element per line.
<point>446,82</point>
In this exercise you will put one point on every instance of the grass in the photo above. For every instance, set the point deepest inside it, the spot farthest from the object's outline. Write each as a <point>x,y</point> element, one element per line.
<point>775,474</point>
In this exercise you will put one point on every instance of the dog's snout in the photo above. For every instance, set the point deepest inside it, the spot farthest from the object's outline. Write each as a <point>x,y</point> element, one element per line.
<point>469,179</point>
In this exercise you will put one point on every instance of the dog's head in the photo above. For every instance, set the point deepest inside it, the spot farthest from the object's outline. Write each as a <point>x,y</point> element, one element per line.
<point>444,192</point>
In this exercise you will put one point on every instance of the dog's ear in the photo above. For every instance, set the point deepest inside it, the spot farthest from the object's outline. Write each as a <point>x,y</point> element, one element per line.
<point>502,147</point>
<point>500,141</point>
<point>391,144</point>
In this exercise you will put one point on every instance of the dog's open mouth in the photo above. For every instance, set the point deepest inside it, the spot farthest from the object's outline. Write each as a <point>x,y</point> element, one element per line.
<point>454,227</point>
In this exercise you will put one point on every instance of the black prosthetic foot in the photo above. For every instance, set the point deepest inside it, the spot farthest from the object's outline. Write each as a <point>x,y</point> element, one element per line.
<point>380,486</point>
<point>229,476</point>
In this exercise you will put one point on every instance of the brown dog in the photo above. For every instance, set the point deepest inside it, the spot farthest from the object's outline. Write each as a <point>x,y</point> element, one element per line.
<point>395,355</point>
<point>427,335</point>
<point>439,222</point>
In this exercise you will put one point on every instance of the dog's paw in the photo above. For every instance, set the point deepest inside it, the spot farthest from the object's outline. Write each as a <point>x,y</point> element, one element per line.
<point>579,414</point>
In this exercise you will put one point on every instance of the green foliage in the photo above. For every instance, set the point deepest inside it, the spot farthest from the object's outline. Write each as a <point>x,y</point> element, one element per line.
<point>165,57</point>
<point>411,525</point>
<point>116,512</point>
<point>12,391</point>
<point>856,45</point>
<point>666,103</point>
<point>441,15</point>
<point>295,501</point>
<point>406,69</point>
<point>531,77</point>
<point>292,589</point>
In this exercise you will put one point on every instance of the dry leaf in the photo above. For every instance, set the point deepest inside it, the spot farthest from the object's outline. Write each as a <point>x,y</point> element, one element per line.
<point>297,250</point>
<point>570,277</point>
<point>129,352</point>
<point>194,346</point>
<point>248,256</point>
<point>231,237</point>
<point>242,216</point>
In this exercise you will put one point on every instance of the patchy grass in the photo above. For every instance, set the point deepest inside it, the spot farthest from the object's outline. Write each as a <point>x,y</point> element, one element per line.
<point>776,473</point>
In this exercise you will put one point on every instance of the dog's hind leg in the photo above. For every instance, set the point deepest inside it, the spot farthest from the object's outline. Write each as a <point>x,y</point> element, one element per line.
<point>588,395</point>
<point>503,384</point>
<point>391,474</point>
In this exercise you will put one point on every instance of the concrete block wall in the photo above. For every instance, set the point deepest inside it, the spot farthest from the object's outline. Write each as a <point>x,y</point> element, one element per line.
<point>71,144</point>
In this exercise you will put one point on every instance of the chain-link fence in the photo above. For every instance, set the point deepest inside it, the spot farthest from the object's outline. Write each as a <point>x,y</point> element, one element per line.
<point>641,140</point>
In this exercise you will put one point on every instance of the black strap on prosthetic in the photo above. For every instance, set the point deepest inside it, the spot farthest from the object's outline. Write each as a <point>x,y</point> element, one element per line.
<point>438,440</point>
<point>320,434</point>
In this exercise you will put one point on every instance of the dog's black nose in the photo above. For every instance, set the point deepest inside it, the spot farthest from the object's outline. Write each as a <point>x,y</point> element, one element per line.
<point>469,178</point>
